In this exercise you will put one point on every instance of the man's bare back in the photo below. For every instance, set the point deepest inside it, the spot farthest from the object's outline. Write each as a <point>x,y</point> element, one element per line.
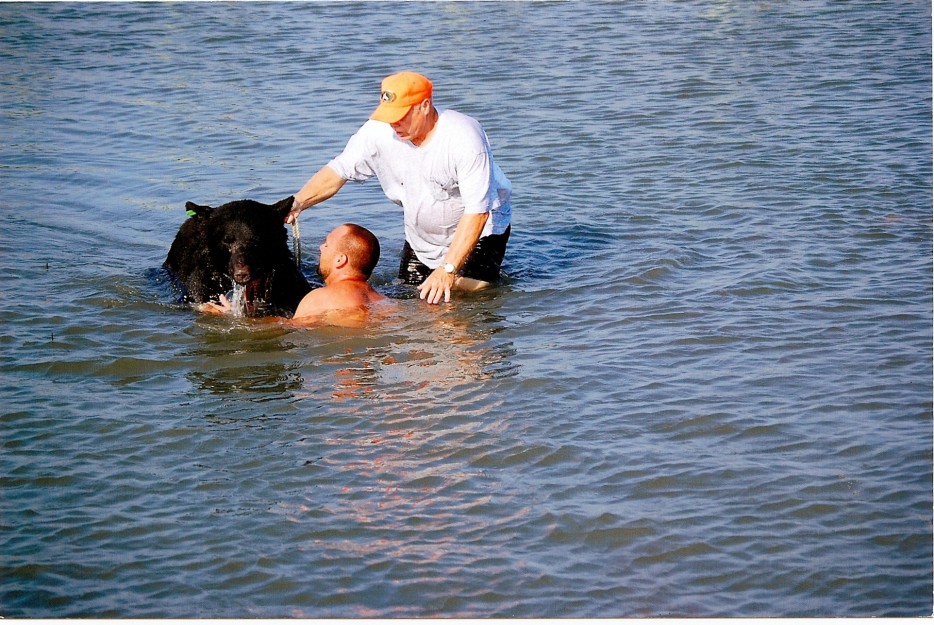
<point>341,303</point>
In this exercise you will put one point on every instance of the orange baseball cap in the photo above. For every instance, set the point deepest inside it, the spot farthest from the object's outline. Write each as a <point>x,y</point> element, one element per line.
<point>399,93</point>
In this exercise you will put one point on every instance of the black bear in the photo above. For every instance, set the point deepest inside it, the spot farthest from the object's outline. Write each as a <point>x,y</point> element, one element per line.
<point>240,246</point>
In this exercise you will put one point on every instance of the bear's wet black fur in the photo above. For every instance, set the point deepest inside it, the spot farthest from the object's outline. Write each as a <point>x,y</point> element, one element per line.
<point>242,243</point>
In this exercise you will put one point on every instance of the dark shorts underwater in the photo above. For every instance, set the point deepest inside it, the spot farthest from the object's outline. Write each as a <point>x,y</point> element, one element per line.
<point>483,263</point>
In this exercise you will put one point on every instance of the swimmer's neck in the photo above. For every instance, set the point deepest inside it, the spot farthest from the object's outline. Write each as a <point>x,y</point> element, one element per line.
<point>350,277</point>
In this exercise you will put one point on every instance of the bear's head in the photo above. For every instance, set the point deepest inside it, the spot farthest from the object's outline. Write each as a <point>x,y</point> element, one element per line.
<point>246,243</point>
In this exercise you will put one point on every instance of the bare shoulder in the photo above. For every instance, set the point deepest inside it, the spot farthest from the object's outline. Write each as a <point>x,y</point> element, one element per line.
<point>315,302</point>
<point>337,303</point>
<point>374,296</point>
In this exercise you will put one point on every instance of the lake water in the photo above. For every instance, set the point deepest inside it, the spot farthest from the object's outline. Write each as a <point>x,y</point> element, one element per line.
<point>704,389</point>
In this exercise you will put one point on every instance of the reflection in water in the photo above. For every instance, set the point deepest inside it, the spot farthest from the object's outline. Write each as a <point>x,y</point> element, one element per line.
<point>274,380</point>
<point>412,351</point>
<point>430,353</point>
<point>243,356</point>
<point>392,423</point>
<point>410,407</point>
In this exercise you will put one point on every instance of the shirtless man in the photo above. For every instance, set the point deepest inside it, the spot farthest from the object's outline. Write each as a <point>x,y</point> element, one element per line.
<point>348,255</point>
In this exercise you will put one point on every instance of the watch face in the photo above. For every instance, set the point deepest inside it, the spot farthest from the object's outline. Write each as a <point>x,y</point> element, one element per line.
<point>448,267</point>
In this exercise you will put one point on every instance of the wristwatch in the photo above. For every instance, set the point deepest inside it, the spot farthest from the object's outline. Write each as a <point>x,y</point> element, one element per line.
<point>449,268</point>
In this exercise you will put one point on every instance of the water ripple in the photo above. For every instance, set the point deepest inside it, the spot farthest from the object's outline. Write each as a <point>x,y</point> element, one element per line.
<point>704,388</point>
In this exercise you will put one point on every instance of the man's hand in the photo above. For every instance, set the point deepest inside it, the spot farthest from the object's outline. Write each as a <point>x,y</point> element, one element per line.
<point>223,308</point>
<point>292,217</point>
<point>439,283</point>
<point>436,285</point>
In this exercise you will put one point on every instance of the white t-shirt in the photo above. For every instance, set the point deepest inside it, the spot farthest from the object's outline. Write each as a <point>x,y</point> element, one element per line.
<point>435,183</point>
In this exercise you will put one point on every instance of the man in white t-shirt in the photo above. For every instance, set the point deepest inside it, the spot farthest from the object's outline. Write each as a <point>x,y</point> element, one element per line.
<point>439,167</point>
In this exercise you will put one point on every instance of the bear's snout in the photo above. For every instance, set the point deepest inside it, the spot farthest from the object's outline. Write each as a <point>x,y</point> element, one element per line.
<point>240,273</point>
<point>240,267</point>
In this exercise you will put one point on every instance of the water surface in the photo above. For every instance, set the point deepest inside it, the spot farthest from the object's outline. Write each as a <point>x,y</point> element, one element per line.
<point>704,389</point>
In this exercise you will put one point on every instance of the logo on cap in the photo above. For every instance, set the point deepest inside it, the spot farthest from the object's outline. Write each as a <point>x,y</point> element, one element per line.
<point>387,96</point>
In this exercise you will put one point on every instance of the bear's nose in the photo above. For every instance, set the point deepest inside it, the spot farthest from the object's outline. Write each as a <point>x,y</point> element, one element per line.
<point>241,274</point>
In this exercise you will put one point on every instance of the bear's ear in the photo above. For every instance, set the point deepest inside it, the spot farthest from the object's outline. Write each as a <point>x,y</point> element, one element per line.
<point>194,210</point>
<point>282,207</point>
